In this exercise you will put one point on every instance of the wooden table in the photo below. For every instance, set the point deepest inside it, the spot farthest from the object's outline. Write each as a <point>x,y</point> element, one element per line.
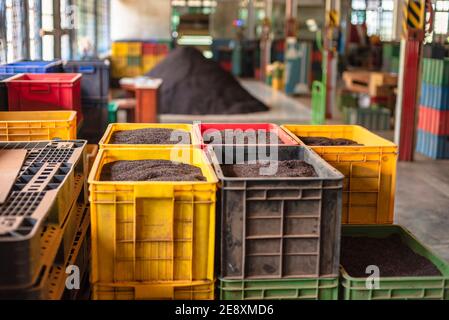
<point>147,98</point>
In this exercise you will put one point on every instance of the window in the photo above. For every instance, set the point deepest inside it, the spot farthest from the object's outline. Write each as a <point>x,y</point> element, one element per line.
<point>34,21</point>
<point>15,34</point>
<point>66,24</point>
<point>103,26</point>
<point>48,41</point>
<point>441,22</point>
<point>378,15</point>
<point>85,28</point>
<point>3,51</point>
<point>86,24</point>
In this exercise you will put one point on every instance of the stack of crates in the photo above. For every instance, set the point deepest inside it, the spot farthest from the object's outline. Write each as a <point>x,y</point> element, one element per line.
<point>279,237</point>
<point>374,118</point>
<point>45,221</point>
<point>41,86</point>
<point>433,127</point>
<point>152,240</point>
<point>153,53</point>
<point>390,57</point>
<point>126,59</point>
<point>135,58</point>
<point>368,210</point>
<point>94,96</point>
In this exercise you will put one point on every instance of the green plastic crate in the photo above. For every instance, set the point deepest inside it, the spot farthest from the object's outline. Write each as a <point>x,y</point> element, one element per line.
<point>425,70</point>
<point>374,118</point>
<point>394,68</point>
<point>396,288</point>
<point>439,72</point>
<point>134,61</point>
<point>445,73</point>
<point>294,289</point>
<point>347,99</point>
<point>112,112</point>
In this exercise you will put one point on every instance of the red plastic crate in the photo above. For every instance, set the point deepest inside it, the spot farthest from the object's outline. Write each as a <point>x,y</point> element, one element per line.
<point>199,129</point>
<point>149,49</point>
<point>50,91</point>
<point>434,121</point>
<point>226,65</point>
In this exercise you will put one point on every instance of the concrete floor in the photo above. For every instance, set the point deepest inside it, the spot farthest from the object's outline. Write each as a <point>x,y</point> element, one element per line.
<point>422,202</point>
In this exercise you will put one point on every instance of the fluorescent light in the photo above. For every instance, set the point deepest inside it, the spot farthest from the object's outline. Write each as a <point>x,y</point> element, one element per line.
<point>195,40</point>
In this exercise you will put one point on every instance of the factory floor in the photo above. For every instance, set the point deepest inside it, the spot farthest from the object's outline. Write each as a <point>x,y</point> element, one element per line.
<point>422,201</point>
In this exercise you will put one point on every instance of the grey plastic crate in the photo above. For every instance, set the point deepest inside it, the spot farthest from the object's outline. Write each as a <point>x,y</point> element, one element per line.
<point>375,119</point>
<point>279,228</point>
<point>95,80</point>
<point>42,195</point>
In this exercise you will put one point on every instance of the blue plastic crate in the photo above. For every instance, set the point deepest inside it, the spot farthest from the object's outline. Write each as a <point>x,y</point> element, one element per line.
<point>433,96</point>
<point>424,100</point>
<point>95,81</point>
<point>32,67</point>
<point>432,146</point>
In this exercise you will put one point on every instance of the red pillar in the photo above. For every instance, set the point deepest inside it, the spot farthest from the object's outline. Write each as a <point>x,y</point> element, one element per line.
<point>413,47</point>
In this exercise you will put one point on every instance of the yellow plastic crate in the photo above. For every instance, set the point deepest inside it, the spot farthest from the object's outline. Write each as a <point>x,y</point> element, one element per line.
<point>153,231</point>
<point>158,58</point>
<point>198,290</point>
<point>114,127</point>
<point>123,49</point>
<point>118,67</point>
<point>134,49</point>
<point>119,49</point>
<point>370,170</point>
<point>148,62</point>
<point>35,126</point>
<point>133,71</point>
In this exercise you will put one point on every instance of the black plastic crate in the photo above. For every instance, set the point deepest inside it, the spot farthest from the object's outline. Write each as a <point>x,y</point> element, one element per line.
<point>434,51</point>
<point>95,80</point>
<point>4,92</point>
<point>278,228</point>
<point>42,195</point>
<point>95,121</point>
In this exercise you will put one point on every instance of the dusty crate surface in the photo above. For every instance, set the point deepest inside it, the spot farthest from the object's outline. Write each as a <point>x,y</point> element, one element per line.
<point>279,227</point>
